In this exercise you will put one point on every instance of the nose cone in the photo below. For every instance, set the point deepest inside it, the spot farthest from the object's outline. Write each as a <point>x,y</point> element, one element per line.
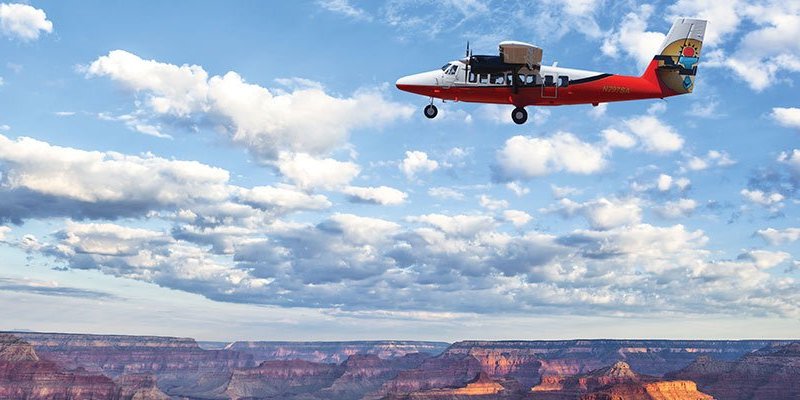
<point>415,83</point>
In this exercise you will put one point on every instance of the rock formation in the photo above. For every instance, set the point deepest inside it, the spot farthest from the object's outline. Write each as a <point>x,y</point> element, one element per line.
<point>769,373</point>
<point>23,375</point>
<point>617,382</point>
<point>333,352</point>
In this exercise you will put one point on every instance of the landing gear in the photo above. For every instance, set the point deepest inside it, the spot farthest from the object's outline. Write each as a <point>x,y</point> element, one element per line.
<point>519,115</point>
<point>431,111</point>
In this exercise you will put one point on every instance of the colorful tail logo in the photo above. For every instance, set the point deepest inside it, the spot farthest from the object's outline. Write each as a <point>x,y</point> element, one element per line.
<point>680,54</point>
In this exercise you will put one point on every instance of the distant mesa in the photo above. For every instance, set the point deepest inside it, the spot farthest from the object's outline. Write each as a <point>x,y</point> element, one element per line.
<point>59,366</point>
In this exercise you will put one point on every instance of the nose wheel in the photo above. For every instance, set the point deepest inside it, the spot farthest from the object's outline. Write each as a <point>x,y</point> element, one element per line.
<point>431,111</point>
<point>519,115</point>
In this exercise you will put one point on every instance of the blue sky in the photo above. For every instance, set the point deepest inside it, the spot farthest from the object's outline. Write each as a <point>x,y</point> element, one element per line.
<point>248,170</point>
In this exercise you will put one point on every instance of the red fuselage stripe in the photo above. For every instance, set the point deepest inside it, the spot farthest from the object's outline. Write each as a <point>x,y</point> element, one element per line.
<point>606,89</point>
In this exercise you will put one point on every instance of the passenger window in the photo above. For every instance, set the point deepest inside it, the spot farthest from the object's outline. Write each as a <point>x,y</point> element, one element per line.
<point>530,79</point>
<point>549,81</point>
<point>509,79</point>
<point>563,81</point>
<point>484,78</point>
<point>472,77</point>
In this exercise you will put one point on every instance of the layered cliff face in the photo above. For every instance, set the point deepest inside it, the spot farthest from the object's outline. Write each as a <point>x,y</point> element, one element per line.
<point>528,361</point>
<point>115,355</point>
<point>482,387</point>
<point>281,379</point>
<point>333,352</point>
<point>444,371</point>
<point>139,387</point>
<point>23,375</point>
<point>617,382</point>
<point>769,373</point>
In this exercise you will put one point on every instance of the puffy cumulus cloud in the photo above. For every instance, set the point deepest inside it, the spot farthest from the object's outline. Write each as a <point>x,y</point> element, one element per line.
<point>309,172</point>
<point>602,213</point>
<point>285,198</point>
<point>382,195</point>
<point>779,236</point>
<point>763,259</point>
<point>525,157</point>
<point>517,218</point>
<point>266,122</point>
<point>789,117</point>
<point>360,229</point>
<point>23,21</point>
<point>655,135</point>
<point>442,263</point>
<point>39,179</point>
<point>712,159</point>
<point>150,256</point>
<point>632,38</point>
<point>665,183</point>
<point>458,225</point>
<point>4,230</point>
<point>614,138</point>
<point>676,209</point>
<point>416,162</point>
<point>770,43</point>
<point>771,200</point>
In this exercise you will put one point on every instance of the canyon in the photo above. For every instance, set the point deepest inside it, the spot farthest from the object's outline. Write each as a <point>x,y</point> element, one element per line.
<point>57,366</point>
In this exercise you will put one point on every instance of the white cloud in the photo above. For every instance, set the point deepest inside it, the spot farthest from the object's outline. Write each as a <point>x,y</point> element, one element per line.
<point>309,172</point>
<point>614,138</point>
<point>761,198</point>
<point>383,195</point>
<point>602,213</point>
<point>516,217</point>
<point>656,136</point>
<point>445,193</point>
<point>713,158</point>
<point>460,225</point>
<point>598,111</point>
<point>265,121</point>
<point>416,162</point>
<point>285,198</point>
<point>517,188</point>
<point>23,21</point>
<point>779,236</point>
<point>492,204</point>
<point>93,176</point>
<point>632,38</point>
<point>525,157</point>
<point>763,259</point>
<point>664,182</point>
<point>4,128</point>
<point>792,159</point>
<point>770,45</point>
<point>345,8</point>
<point>560,192</point>
<point>3,232</point>
<point>677,209</point>
<point>788,117</point>
<point>363,229</point>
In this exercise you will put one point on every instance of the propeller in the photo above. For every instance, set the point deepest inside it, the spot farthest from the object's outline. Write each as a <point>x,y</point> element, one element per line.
<point>468,55</point>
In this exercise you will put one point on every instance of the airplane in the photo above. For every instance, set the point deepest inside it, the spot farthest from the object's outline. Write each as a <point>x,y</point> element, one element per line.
<point>516,76</point>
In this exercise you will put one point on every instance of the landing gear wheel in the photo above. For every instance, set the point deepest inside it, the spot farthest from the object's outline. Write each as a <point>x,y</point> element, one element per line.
<point>431,111</point>
<point>519,115</point>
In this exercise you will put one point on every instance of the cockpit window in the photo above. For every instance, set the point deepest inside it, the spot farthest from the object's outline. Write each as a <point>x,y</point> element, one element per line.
<point>445,67</point>
<point>452,70</point>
